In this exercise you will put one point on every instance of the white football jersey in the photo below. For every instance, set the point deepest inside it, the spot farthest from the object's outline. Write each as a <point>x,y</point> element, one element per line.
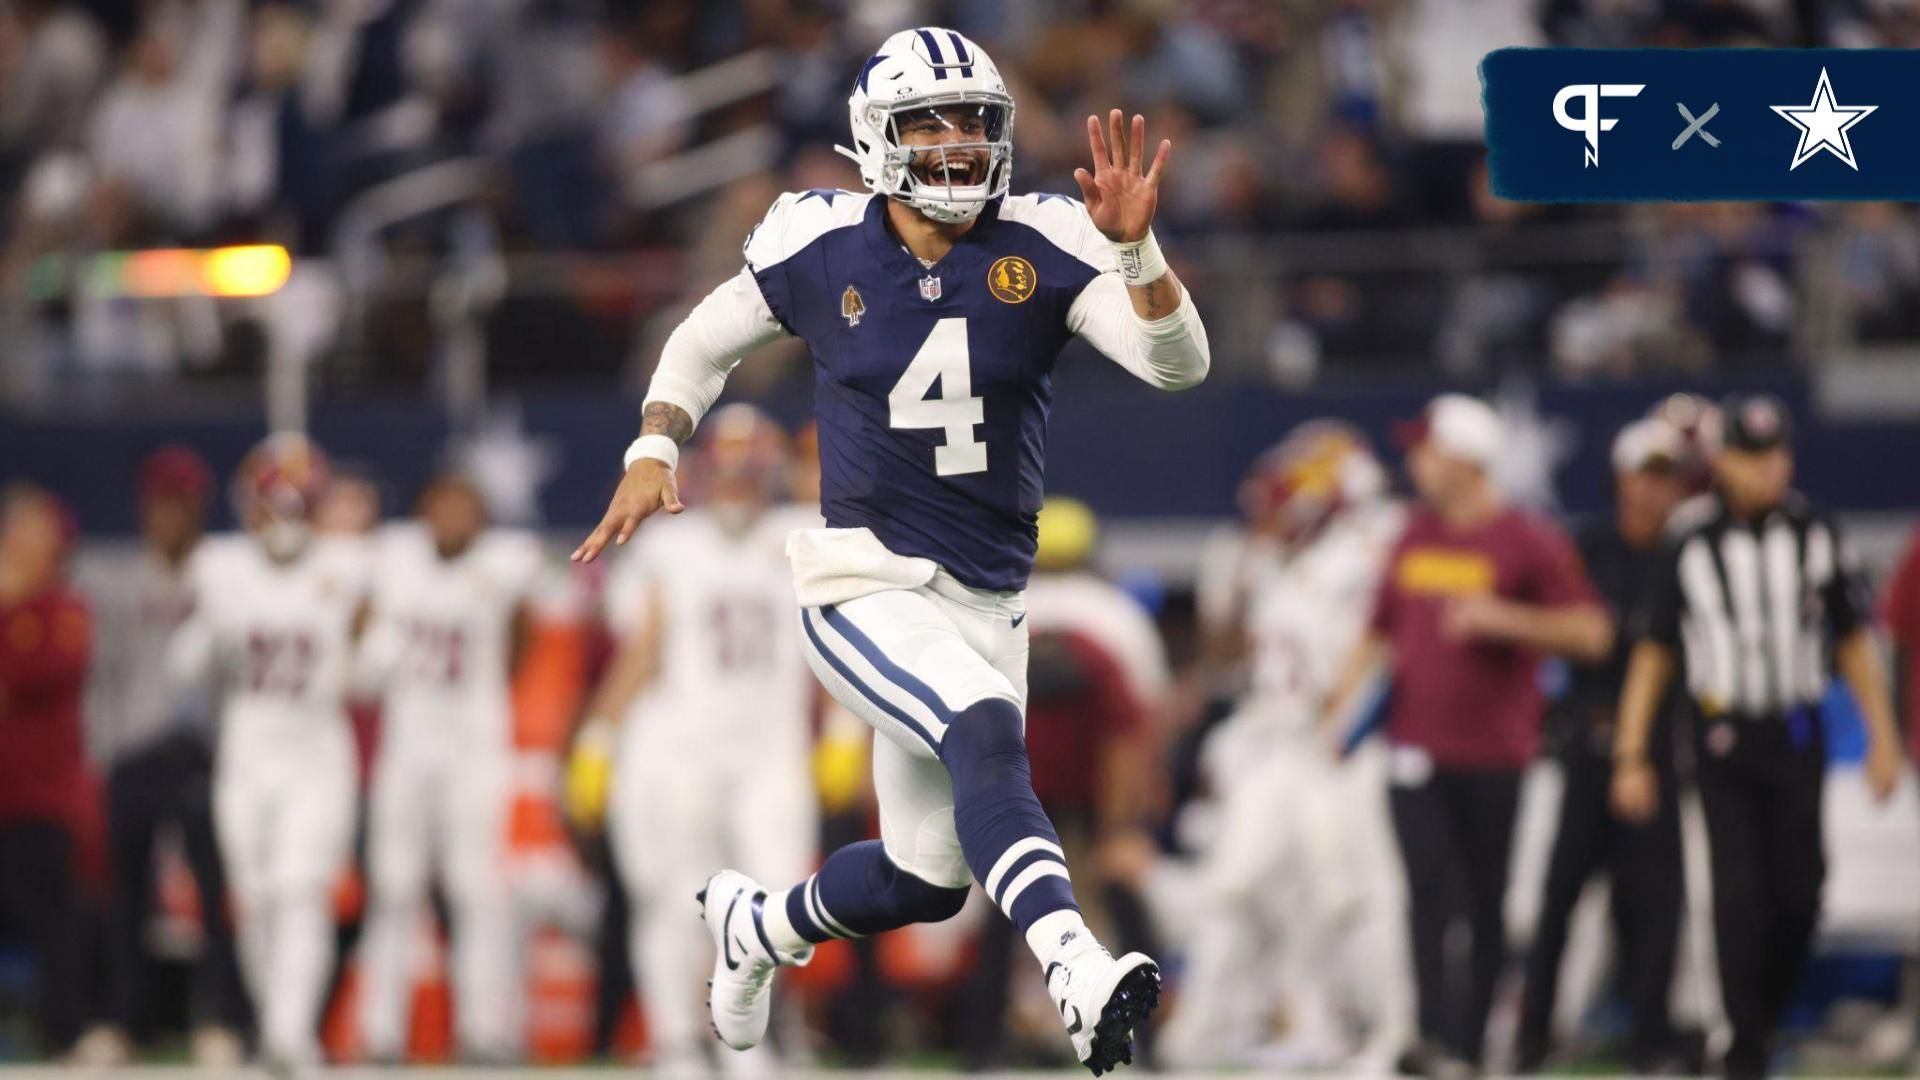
<point>278,635</point>
<point>730,658</point>
<point>442,629</point>
<point>1306,613</point>
<point>1230,562</point>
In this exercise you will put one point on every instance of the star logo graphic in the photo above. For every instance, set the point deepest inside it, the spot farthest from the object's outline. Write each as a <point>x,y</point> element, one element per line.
<point>1823,125</point>
<point>1537,445</point>
<point>868,70</point>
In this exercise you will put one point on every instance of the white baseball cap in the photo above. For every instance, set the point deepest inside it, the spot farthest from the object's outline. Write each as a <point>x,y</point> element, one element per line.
<point>1464,427</point>
<point>1646,444</point>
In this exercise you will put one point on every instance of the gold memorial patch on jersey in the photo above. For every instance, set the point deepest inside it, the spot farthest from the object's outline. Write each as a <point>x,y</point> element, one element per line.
<point>1011,279</point>
<point>851,306</point>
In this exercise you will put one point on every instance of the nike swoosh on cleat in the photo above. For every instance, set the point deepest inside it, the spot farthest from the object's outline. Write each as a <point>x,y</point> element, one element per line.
<point>726,940</point>
<point>1075,1027</point>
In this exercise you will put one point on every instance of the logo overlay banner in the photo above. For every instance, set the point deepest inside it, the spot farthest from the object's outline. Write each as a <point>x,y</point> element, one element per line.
<point>1638,125</point>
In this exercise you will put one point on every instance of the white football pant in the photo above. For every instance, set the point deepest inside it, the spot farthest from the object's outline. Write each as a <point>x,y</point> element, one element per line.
<point>284,816</point>
<point>685,805</point>
<point>906,661</point>
<point>1299,899</point>
<point>438,810</point>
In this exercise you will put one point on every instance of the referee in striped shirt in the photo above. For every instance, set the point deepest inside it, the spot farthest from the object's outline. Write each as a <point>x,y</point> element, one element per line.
<point>1761,600</point>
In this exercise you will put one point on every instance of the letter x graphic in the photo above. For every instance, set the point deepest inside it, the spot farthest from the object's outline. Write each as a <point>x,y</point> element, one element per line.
<point>1697,126</point>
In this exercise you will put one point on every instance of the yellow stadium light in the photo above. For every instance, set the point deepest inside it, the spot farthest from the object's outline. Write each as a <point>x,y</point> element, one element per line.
<point>252,270</point>
<point>159,273</point>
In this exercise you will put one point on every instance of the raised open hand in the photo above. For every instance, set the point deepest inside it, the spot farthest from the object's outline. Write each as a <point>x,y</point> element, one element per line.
<point>1120,197</point>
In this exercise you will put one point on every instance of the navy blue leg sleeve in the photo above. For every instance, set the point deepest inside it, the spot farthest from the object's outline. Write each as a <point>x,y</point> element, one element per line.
<point>1004,832</point>
<point>860,891</point>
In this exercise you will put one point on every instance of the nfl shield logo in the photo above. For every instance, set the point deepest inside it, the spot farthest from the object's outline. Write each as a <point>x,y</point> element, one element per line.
<point>929,288</point>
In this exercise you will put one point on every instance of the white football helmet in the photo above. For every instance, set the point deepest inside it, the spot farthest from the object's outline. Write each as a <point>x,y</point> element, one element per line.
<point>928,72</point>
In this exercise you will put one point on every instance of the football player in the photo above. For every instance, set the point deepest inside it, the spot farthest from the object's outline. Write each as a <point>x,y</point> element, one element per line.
<point>1292,900</point>
<point>709,664</point>
<point>275,614</point>
<point>934,306</point>
<point>448,610</point>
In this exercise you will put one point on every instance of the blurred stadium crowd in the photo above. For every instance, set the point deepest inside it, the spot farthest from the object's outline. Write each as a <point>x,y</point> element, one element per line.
<point>419,155</point>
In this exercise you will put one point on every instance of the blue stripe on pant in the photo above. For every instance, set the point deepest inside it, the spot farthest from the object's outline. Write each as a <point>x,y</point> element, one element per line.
<point>871,653</point>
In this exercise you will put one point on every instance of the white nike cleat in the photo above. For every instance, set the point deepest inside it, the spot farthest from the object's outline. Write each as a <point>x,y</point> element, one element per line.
<point>1102,999</point>
<point>744,960</point>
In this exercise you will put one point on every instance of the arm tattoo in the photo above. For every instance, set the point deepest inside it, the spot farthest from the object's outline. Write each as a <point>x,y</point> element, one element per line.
<point>1156,298</point>
<point>661,418</point>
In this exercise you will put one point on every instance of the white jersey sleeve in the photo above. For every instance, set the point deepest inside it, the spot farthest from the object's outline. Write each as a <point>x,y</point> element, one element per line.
<point>737,318</point>
<point>703,350</point>
<point>193,650</point>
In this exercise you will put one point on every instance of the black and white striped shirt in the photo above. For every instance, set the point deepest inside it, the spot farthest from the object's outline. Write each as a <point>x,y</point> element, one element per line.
<point>1754,606</point>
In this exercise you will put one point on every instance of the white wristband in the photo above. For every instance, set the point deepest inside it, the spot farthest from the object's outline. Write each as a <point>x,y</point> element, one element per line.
<point>1140,262</point>
<point>658,447</point>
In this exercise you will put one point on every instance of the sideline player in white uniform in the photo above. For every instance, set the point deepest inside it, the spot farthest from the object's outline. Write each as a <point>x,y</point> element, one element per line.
<point>709,693</point>
<point>448,618</point>
<point>1292,903</point>
<point>935,308</point>
<point>275,614</point>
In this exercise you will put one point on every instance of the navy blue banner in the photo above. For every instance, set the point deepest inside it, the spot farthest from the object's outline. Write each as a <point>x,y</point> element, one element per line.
<point>1632,125</point>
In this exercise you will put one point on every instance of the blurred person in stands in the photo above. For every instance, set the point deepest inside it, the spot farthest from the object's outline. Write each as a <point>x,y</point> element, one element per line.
<point>156,131</point>
<point>1642,861</point>
<point>1291,894</point>
<point>448,614</point>
<point>1760,601</point>
<point>645,116</point>
<point>1475,594</point>
<point>283,169</point>
<point>1096,680</point>
<point>46,640</point>
<point>276,610</point>
<point>159,750</point>
<point>708,664</point>
<point>52,58</point>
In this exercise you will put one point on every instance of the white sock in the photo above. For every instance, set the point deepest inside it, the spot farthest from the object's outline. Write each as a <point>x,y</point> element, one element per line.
<point>1059,935</point>
<point>773,919</point>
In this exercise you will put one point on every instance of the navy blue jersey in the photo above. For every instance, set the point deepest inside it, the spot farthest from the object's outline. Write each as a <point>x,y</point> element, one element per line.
<point>931,385</point>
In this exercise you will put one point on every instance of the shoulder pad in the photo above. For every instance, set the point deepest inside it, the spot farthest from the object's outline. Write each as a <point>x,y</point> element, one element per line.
<point>797,219</point>
<point>1064,223</point>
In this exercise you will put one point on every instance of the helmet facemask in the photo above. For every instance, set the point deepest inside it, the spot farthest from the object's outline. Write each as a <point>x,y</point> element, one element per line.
<point>922,164</point>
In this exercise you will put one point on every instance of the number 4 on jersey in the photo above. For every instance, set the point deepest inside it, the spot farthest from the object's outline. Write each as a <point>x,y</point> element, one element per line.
<point>943,356</point>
